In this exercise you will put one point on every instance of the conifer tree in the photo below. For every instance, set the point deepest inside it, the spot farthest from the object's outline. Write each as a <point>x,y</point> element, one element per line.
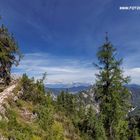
<point>112,95</point>
<point>9,54</point>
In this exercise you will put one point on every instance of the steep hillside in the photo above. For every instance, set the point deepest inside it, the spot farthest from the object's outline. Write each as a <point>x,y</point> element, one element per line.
<point>135,89</point>
<point>27,113</point>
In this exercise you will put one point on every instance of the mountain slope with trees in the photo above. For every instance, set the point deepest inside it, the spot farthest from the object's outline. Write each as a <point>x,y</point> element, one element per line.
<point>30,113</point>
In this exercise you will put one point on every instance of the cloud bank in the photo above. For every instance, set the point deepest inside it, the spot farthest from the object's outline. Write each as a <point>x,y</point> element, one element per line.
<point>65,71</point>
<point>59,70</point>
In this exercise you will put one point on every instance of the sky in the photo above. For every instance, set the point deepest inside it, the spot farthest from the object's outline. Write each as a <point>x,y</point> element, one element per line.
<point>61,37</point>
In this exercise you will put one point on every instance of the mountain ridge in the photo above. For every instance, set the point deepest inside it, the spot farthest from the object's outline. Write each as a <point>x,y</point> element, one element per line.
<point>134,88</point>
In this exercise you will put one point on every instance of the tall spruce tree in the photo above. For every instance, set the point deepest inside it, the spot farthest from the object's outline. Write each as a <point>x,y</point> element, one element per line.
<point>111,93</point>
<point>9,54</point>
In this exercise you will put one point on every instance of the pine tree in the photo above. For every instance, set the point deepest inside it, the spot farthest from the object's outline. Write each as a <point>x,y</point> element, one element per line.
<point>111,93</point>
<point>9,54</point>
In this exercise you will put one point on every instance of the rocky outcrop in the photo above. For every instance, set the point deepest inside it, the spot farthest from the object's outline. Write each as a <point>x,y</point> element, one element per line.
<point>3,138</point>
<point>28,115</point>
<point>88,99</point>
<point>8,92</point>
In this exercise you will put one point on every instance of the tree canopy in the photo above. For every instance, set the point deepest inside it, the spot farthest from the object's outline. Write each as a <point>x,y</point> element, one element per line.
<point>9,54</point>
<point>111,92</point>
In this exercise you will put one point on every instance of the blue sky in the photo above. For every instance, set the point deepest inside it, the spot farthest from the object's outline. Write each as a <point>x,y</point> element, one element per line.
<point>62,37</point>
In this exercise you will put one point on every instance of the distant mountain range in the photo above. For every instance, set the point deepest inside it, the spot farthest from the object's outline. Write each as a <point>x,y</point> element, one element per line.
<point>78,87</point>
<point>66,86</point>
<point>72,88</point>
<point>85,93</point>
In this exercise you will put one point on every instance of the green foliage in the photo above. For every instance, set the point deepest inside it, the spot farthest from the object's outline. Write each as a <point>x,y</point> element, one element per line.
<point>57,130</point>
<point>134,127</point>
<point>45,117</point>
<point>111,92</point>
<point>67,102</point>
<point>92,127</point>
<point>14,130</point>
<point>9,54</point>
<point>122,130</point>
<point>32,91</point>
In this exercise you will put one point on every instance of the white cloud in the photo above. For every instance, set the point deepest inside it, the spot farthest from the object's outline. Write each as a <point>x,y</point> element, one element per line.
<point>62,70</point>
<point>58,69</point>
<point>134,73</point>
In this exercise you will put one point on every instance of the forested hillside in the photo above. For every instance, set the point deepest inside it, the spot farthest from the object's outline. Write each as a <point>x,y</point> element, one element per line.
<point>28,112</point>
